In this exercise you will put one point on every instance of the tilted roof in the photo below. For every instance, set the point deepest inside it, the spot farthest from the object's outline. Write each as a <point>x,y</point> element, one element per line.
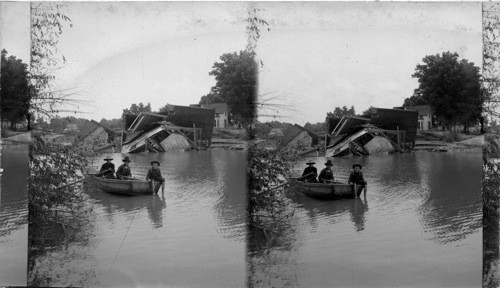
<point>422,109</point>
<point>220,108</point>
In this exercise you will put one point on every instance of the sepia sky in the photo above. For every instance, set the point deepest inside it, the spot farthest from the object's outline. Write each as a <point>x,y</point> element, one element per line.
<point>316,56</point>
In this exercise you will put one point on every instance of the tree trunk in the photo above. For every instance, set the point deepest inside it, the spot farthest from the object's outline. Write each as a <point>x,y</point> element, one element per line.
<point>450,127</point>
<point>28,118</point>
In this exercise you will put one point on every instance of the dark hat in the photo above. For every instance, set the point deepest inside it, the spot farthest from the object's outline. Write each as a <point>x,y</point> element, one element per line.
<point>359,165</point>
<point>108,158</point>
<point>154,161</point>
<point>310,162</point>
<point>329,162</point>
<point>126,159</point>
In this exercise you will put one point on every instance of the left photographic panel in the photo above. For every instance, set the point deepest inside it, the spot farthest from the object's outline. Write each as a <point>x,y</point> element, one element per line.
<point>137,155</point>
<point>14,142</point>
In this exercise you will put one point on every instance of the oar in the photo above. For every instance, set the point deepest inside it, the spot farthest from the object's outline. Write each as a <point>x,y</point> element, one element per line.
<point>102,172</point>
<point>83,179</point>
<point>305,176</point>
<point>163,186</point>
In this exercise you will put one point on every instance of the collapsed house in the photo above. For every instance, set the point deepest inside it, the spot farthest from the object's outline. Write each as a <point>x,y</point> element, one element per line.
<point>384,131</point>
<point>180,128</point>
<point>297,137</point>
<point>93,136</point>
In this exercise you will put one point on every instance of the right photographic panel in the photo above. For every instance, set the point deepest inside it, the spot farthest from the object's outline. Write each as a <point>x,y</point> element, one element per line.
<point>367,168</point>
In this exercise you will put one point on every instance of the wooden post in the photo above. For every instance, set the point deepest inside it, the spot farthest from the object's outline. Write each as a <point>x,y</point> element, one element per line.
<point>399,140</point>
<point>195,136</point>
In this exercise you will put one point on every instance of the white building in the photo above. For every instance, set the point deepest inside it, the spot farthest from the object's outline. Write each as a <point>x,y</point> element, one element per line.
<point>424,116</point>
<point>221,114</point>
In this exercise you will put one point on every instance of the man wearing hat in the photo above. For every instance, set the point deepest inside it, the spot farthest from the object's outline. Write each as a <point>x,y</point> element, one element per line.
<point>356,179</point>
<point>123,172</point>
<point>326,175</point>
<point>154,172</point>
<point>108,168</point>
<point>310,173</point>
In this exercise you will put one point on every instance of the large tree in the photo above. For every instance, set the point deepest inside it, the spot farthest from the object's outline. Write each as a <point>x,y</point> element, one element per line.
<point>235,84</point>
<point>452,87</point>
<point>368,112</point>
<point>14,87</point>
<point>415,99</point>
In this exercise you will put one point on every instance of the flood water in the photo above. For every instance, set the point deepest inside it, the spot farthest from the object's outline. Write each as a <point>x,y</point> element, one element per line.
<point>13,215</point>
<point>192,235</point>
<point>419,226</point>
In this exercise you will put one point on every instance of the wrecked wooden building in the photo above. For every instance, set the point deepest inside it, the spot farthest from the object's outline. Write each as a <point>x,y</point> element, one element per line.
<point>384,131</point>
<point>180,128</point>
<point>298,138</point>
<point>93,136</point>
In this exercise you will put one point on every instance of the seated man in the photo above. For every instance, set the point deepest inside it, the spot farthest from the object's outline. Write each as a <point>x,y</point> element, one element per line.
<point>310,173</point>
<point>326,175</point>
<point>154,173</point>
<point>107,169</point>
<point>356,179</point>
<point>123,172</point>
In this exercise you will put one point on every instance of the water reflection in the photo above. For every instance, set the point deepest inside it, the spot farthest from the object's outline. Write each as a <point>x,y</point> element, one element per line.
<point>187,236</point>
<point>13,214</point>
<point>421,215</point>
<point>333,211</point>
<point>273,256</point>
<point>114,205</point>
<point>452,208</point>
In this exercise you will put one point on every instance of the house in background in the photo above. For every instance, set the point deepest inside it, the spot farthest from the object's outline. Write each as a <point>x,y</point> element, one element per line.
<point>297,137</point>
<point>71,128</point>
<point>276,132</point>
<point>424,116</point>
<point>221,114</point>
<point>93,137</point>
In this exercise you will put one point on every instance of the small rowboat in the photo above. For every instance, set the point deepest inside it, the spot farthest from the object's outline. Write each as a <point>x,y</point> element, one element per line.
<point>126,187</point>
<point>332,191</point>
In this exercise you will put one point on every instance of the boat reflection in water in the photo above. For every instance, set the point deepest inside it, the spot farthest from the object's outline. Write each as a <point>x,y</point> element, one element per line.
<point>421,215</point>
<point>192,235</point>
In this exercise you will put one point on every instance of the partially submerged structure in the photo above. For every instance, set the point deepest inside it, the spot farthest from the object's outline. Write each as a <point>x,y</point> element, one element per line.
<point>384,131</point>
<point>298,138</point>
<point>93,136</point>
<point>180,128</point>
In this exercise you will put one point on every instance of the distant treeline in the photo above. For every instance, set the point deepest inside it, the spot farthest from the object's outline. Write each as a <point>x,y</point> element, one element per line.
<point>58,124</point>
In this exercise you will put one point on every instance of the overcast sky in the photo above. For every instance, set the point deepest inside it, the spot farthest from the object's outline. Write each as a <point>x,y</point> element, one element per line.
<point>323,55</point>
<point>317,56</point>
<point>129,52</point>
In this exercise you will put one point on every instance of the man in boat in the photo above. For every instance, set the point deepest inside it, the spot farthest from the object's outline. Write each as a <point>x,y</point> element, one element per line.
<point>310,173</point>
<point>108,167</point>
<point>154,174</point>
<point>356,179</point>
<point>326,175</point>
<point>123,172</point>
